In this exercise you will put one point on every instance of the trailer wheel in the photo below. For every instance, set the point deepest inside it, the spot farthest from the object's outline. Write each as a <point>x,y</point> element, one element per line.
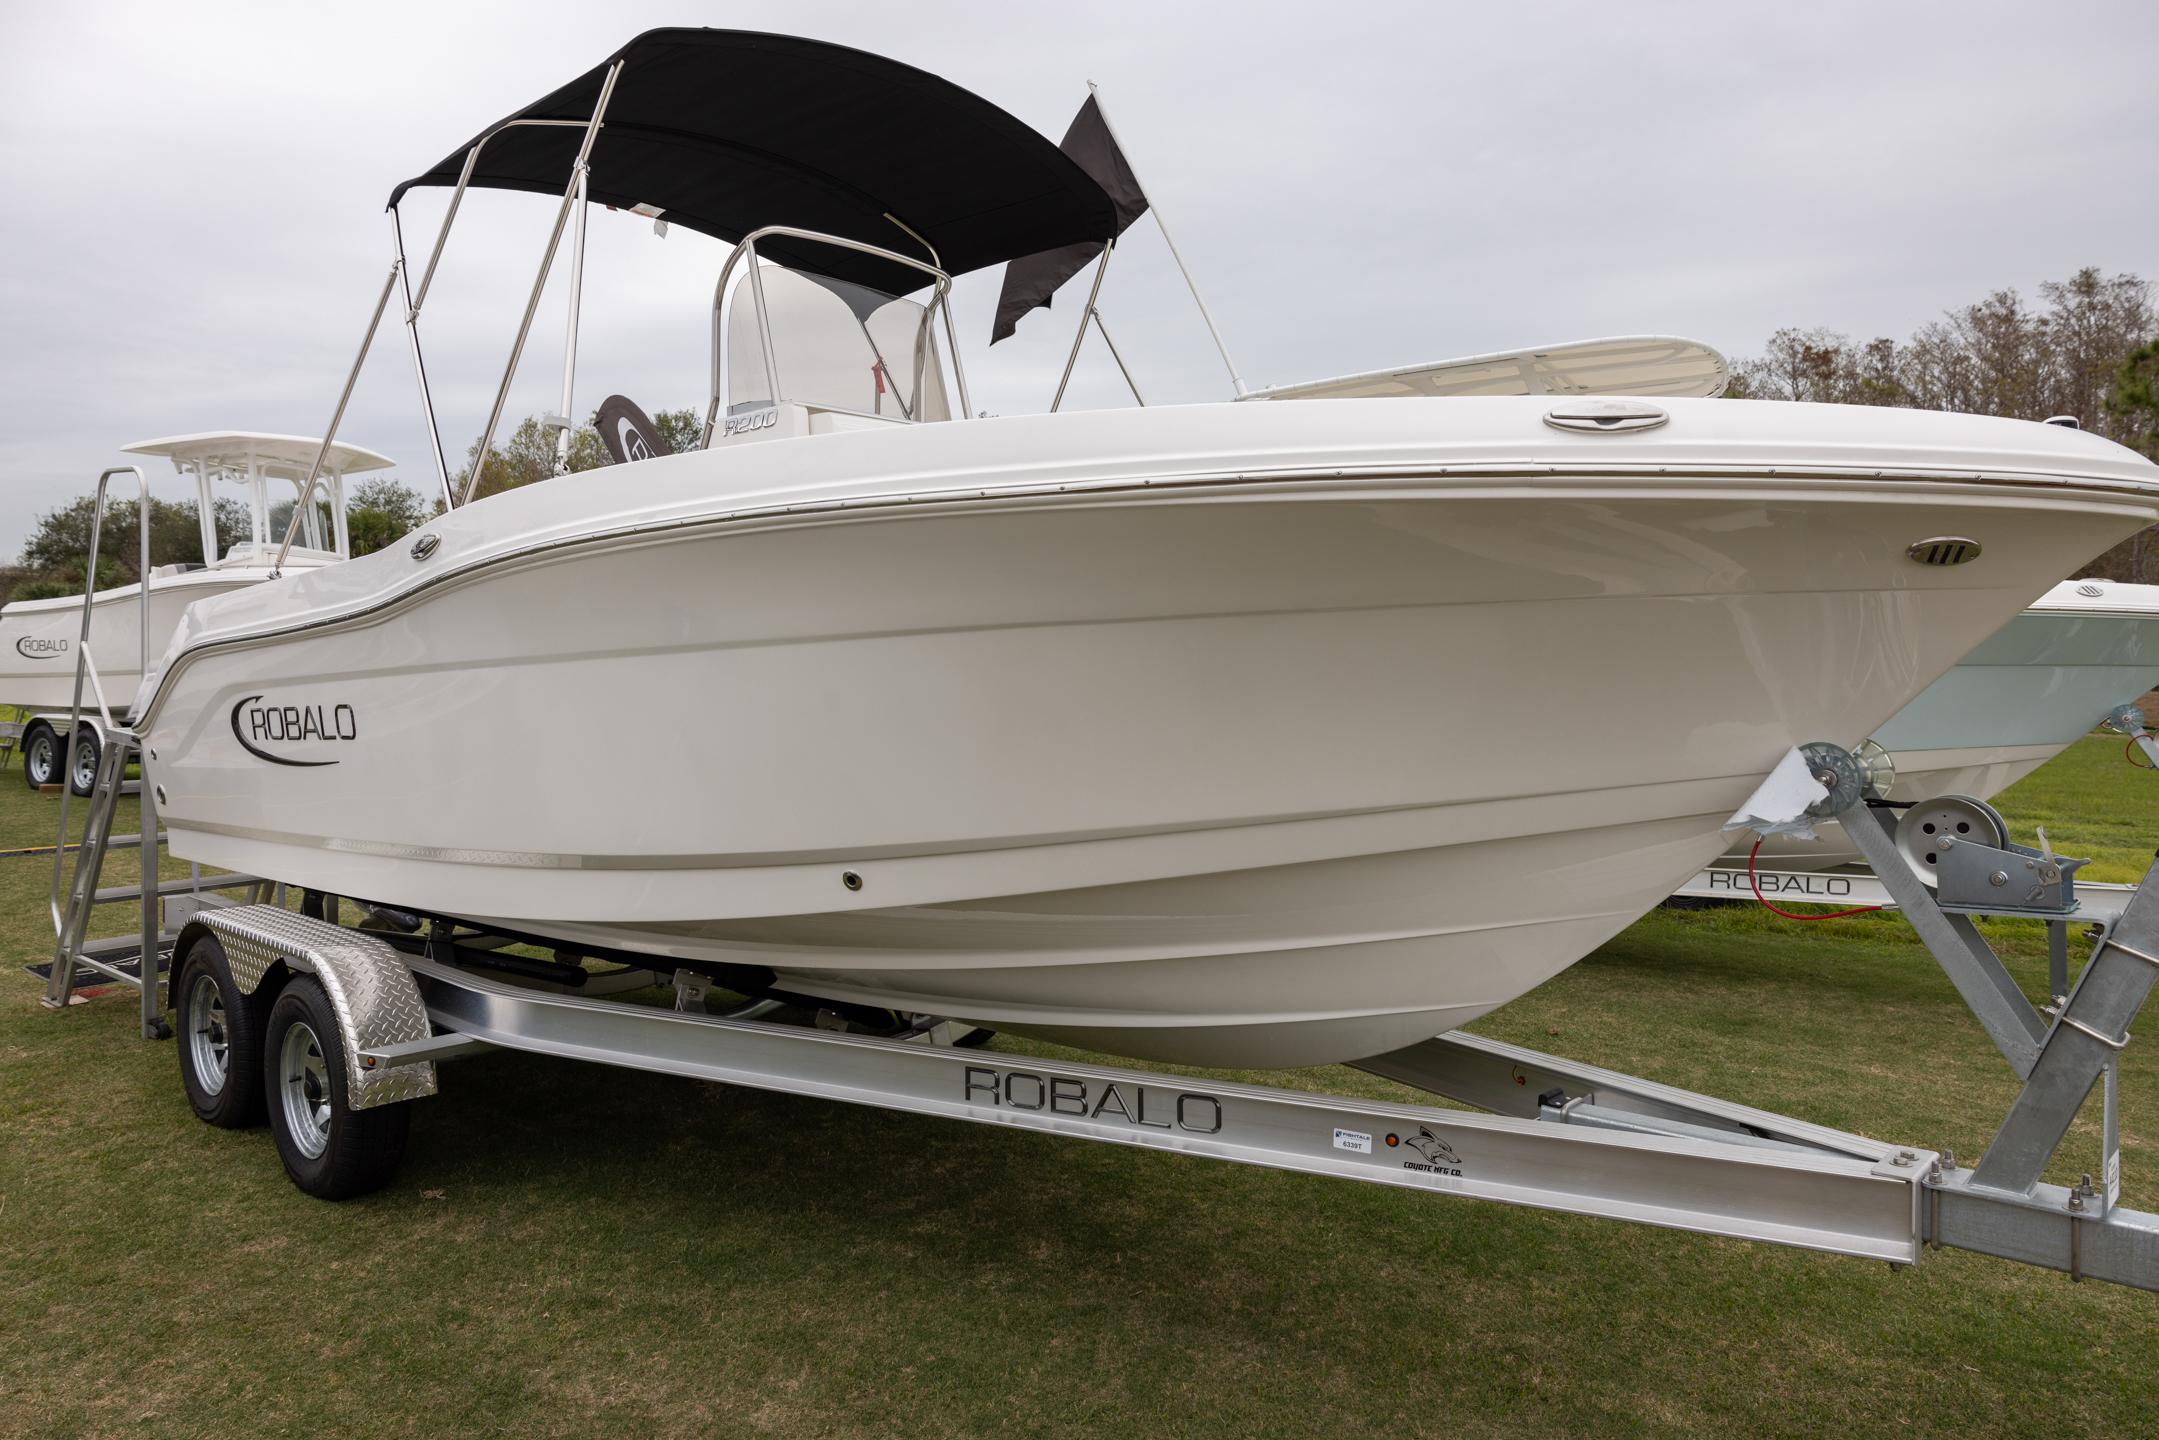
<point>220,1039</point>
<point>40,757</point>
<point>330,1150</point>
<point>86,748</point>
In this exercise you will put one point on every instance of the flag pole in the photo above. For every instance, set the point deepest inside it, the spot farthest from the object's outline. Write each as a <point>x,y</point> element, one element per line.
<point>1204,313</point>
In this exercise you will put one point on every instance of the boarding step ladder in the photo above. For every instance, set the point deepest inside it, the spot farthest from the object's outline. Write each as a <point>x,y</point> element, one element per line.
<point>136,959</point>
<point>140,958</point>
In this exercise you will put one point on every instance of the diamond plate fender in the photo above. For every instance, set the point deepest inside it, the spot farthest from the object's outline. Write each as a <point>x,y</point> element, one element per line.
<point>375,997</point>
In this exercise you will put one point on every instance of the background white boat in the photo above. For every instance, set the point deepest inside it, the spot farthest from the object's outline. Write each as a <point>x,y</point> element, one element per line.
<point>2047,678</point>
<point>38,637</point>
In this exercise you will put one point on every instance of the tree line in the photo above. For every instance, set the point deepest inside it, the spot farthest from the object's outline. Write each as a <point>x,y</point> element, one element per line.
<point>2088,349</point>
<point>529,452</point>
<point>377,512</point>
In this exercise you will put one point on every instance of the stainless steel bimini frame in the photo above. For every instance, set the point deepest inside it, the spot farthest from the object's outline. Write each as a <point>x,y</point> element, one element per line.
<point>419,364</point>
<point>572,195</point>
<point>1094,316</point>
<point>1091,315</point>
<point>575,191</point>
<point>1236,379</point>
<point>746,249</point>
<point>580,168</point>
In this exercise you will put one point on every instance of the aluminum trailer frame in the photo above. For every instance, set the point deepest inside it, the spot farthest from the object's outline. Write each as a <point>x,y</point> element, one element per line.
<point>1722,1170</point>
<point>2098,908</point>
<point>1560,1135</point>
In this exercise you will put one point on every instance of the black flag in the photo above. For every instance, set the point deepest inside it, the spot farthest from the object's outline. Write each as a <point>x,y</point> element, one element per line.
<point>1031,281</point>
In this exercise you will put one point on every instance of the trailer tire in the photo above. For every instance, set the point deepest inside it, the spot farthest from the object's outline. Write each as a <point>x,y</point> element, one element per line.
<point>41,758</point>
<point>84,777</point>
<point>220,1031</point>
<point>330,1150</point>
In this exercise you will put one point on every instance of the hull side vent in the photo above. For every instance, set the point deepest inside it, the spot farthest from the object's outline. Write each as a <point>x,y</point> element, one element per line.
<point>1944,550</point>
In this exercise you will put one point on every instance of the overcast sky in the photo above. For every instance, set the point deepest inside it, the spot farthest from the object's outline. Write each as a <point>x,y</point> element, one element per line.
<point>192,229</point>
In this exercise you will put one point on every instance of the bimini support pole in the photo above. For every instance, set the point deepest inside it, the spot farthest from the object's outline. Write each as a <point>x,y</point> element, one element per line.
<point>1118,356</point>
<point>959,366</point>
<point>570,193</point>
<point>337,416</point>
<point>1072,358</point>
<point>944,303</point>
<point>569,342</point>
<point>419,366</point>
<point>1204,313</point>
<point>764,322</point>
<point>415,299</point>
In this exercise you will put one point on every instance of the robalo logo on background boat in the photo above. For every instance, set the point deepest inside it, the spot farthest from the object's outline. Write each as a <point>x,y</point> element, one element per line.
<point>34,647</point>
<point>300,731</point>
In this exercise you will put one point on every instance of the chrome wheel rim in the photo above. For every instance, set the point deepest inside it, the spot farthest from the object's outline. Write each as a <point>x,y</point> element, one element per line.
<point>40,760</point>
<point>209,1044</point>
<point>85,766</point>
<point>304,1089</point>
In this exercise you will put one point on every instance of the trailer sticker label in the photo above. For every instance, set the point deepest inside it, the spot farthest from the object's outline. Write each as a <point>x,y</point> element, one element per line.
<point>1355,1140</point>
<point>1141,1106</point>
<point>1438,1157</point>
<point>255,724</point>
<point>34,647</point>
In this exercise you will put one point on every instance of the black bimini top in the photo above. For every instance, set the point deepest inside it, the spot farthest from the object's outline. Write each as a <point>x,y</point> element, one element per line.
<point>729,130</point>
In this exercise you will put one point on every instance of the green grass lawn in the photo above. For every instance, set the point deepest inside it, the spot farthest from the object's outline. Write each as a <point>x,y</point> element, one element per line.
<point>572,1251</point>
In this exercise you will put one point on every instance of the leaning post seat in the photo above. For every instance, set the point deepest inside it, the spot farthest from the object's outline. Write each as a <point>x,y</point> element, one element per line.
<point>840,347</point>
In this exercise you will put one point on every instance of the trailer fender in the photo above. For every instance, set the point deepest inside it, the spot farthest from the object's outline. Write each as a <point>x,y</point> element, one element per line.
<point>370,988</point>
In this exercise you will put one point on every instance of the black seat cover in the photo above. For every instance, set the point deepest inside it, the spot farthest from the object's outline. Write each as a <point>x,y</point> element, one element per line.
<point>628,432</point>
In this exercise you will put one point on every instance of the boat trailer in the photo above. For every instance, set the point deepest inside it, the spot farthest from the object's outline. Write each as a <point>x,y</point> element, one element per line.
<point>1855,885</point>
<point>352,1025</point>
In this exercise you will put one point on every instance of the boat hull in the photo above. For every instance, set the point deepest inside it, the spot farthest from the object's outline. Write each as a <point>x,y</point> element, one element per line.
<point>1260,770</point>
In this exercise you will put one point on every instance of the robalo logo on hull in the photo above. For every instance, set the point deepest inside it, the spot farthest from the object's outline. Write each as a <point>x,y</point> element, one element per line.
<point>34,647</point>
<point>257,725</point>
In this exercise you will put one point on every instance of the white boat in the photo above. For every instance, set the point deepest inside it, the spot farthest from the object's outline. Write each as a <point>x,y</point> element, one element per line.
<point>38,638</point>
<point>2032,689</point>
<point>1230,734</point>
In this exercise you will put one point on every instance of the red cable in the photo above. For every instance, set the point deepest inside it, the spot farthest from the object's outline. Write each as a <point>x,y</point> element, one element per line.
<point>2129,751</point>
<point>1792,915</point>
